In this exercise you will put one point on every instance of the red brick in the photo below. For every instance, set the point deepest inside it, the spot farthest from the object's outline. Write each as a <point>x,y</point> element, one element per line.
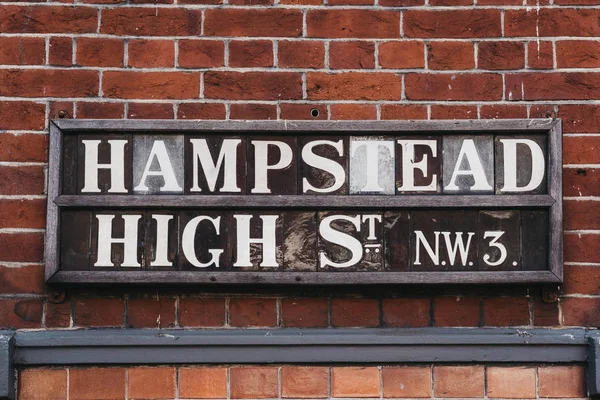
<point>48,83</point>
<point>151,21</point>
<point>406,382</point>
<point>96,312</point>
<point>21,247</point>
<point>353,86</point>
<point>304,312</point>
<point>300,54</point>
<point>48,19</point>
<point>22,51</point>
<point>253,111</point>
<point>500,111</point>
<point>304,382</point>
<point>151,1</point>
<point>580,118</point>
<point>581,150</point>
<point>511,382</point>
<point>544,314</point>
<point>27,279</point>
<point>581,279</point>
<point>151,53</point>
<point>150,111</point>
<point>402,55</point>
<point>42,384</point>
<point>94,52</point>
<point>352,55</point>
<point>450,3</point>
<point>406,312</point>
<point>20,313</point>
<point>551,86</point>
<point>96,110</point>
<point>249,22</point>
<point>302,2</point>
<point>200,1</point>
<point>253,382</point>
<point>252,85</point>
<point>20,115</point>
<point>456,311</point>
<point>201,312</point>
<point>21,180</point>
<point>542,111</point>
<point>201,111</point>
<point>552,22</point>
<point>250,53</point>
<point>403,112</point>
<point>61,109</point>
<point>151,383</point>
<point>353,111</point>
<point>506,311</point>
<point>350,2</point>
<point>452,23</point>
<point>58,315</point>
<point>401,3</point>
<point>354,312</point>
<point>97,383</point>
<point>581,182</point>
<point>577,2</point>
<point>450,55</point>
<point>454,381</point>
<point>201,53</point>
<point>151,85</point>
<point>453,112</point>
<point>202,383</point>
<point>353,24</point>
<point>469,87</point>
<point>540,55</point>
<point>501,55</point>
<point>577,54</point>
<point>580,312</point>
<point>563,381</point>
<point>302,111</point>
<point>355,382</point>
<point>582,247</point>
<point>60,51</point>
<point>244,312</point>
<point>251,2</point>
<point>581,214</point>
<point>151,312</point>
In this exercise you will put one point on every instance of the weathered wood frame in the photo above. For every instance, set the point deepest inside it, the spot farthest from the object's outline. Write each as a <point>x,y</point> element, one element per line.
<point>551,201</point>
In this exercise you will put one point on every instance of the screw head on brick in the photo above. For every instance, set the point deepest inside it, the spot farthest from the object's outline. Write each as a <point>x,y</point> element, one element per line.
<point>63,114</point>
<point>57,297</point>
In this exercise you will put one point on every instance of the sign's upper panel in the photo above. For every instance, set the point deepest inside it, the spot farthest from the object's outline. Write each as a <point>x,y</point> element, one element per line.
<point>305,203</point>
<point>334,164</point>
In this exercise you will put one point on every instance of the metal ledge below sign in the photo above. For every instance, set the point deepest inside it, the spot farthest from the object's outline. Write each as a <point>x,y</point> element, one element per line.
<point>297,346</point>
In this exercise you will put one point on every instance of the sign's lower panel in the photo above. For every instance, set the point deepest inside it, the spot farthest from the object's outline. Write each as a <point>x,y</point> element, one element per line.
<point>306,242</point>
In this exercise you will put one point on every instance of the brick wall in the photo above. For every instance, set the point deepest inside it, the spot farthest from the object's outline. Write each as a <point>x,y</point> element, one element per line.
<point>280,59</point>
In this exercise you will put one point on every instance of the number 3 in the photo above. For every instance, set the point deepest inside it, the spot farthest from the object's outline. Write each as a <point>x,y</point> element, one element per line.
<point>495,235</point>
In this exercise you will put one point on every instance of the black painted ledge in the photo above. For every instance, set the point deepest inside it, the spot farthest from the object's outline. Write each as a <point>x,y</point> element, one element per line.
<point>298,346</point>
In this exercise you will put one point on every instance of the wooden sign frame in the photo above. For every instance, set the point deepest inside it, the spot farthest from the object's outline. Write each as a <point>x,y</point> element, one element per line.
<point>552,201</point>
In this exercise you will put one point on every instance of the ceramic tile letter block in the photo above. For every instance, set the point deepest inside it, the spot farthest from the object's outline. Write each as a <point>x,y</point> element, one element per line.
<point>396,239</point>
<point>257,241</point>
<point>534,240</point>
<point>215,165</point>
<point>323,165</point>
<point>104,164</point>
<point>498,239</point>
<point>521,164</point>
<point>75,240</point>
<point>161,230</point>
<point>300,241</point>
<point>344,239</point>
<point>117,241</point>
<point>272,165</point>
<point>204,240</point>
<point>468,164</point>
<point>419,164</point>
<point>443,240</point>
<point>372,166</point>
<point>157,164</point>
